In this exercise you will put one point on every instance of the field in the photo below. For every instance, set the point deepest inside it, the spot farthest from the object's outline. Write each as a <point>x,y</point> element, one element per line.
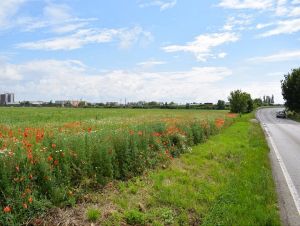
<point>225,181</point>
<point>53,157</point>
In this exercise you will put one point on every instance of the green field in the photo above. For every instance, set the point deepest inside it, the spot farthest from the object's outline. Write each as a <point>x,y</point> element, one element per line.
<point>55,116</point>
<point>54,156</point>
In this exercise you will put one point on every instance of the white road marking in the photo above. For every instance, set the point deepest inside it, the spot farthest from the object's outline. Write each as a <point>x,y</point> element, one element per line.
<point>287,177</point>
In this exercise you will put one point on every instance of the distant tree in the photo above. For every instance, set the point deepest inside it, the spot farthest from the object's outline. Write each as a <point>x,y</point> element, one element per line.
<point>291,90</point>
<point>257,102</point>
<point>221,105</point>
<point>240,102</point>
<point>250,105</point>
<point>82,104</point>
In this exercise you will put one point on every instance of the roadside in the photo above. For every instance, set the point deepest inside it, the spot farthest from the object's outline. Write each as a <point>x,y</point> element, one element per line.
<point>287,194</point>
<point>226,181</point>
<point>295,117</point>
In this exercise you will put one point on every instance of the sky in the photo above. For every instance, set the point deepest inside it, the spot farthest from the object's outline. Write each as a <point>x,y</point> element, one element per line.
<point>150,50</point>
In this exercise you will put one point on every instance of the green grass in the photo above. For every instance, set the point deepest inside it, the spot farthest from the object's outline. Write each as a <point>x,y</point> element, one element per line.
<point>29,116</point>
<point>92,214</point>
<point>226,181</point>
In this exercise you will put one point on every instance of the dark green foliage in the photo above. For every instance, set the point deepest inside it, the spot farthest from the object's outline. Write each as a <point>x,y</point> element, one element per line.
<point>240,102</point>
<point>221,105</point>
<point>257,103</point>
<point>291,90</point>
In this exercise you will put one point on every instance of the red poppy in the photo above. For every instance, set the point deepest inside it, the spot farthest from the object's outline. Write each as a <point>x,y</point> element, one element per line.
<point>53,145</point>
<point>29,156</point>
<point>30,200</point>
<point>50,158</point>
<point>7,209</point>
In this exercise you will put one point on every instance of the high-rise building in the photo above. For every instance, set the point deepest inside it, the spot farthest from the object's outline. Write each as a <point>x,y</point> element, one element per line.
<point>7,98</point>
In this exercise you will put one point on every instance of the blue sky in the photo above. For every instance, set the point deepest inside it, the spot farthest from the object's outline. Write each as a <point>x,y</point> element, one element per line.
<point>162,50</point>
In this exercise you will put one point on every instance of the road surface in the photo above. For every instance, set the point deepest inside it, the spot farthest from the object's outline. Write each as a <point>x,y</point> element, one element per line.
<point>283,136</point>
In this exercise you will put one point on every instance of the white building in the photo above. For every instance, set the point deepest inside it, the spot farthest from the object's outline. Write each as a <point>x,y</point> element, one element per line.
<point>7,98</point>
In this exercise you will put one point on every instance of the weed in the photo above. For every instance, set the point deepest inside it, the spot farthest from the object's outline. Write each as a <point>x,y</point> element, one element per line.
<point>134,217</point>
<point>92,214</point>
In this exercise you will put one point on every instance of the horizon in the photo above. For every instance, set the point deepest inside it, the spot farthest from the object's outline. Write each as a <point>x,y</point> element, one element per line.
<point>151,50</point>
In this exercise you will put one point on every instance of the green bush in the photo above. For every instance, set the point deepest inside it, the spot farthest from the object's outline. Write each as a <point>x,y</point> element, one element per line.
<point>134,217</point>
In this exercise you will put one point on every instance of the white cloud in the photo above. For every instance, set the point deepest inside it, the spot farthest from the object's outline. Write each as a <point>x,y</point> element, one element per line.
<point>285,10</point>
<point>222,55</point>
<point>57,11</point>
<point>295,12</point>
<point>83,37</point>
<point>246,4</point>
<point>9,73</point>
<point>281,8</point>
<point>52,79</point>
<point>237,23</point>
<point>283,27</point>
<point>151,63</point>
<point>261,26</point>
<point>58,18</point>
<point>203,45</point>
<point>8,8</point>
<point>278,57</point>
<point>162,4</point>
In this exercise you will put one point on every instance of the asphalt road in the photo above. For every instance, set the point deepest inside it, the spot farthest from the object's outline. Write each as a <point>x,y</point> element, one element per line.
<point>283,136</point>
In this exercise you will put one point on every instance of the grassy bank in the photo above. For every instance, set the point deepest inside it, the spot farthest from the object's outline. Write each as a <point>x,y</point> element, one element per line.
<point>226,181</point>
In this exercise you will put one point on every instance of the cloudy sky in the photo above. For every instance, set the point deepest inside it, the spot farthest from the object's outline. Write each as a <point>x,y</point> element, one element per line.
<point>162,50</point>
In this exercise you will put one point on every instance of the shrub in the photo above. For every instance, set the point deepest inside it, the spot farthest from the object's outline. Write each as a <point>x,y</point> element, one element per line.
<point>134,217</point>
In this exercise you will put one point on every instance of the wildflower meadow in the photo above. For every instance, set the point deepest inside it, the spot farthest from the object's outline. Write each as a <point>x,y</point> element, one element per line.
<point>52,157</point>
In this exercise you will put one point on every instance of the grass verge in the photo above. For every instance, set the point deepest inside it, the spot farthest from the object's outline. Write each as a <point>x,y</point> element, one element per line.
<point>226,181</point>
<point>295,117</point>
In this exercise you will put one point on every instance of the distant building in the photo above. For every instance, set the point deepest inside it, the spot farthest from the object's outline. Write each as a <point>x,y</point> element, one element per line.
<point>73,103</point>
<point>7,98</point>
<point>37,103</point>
<point>62,102</point>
